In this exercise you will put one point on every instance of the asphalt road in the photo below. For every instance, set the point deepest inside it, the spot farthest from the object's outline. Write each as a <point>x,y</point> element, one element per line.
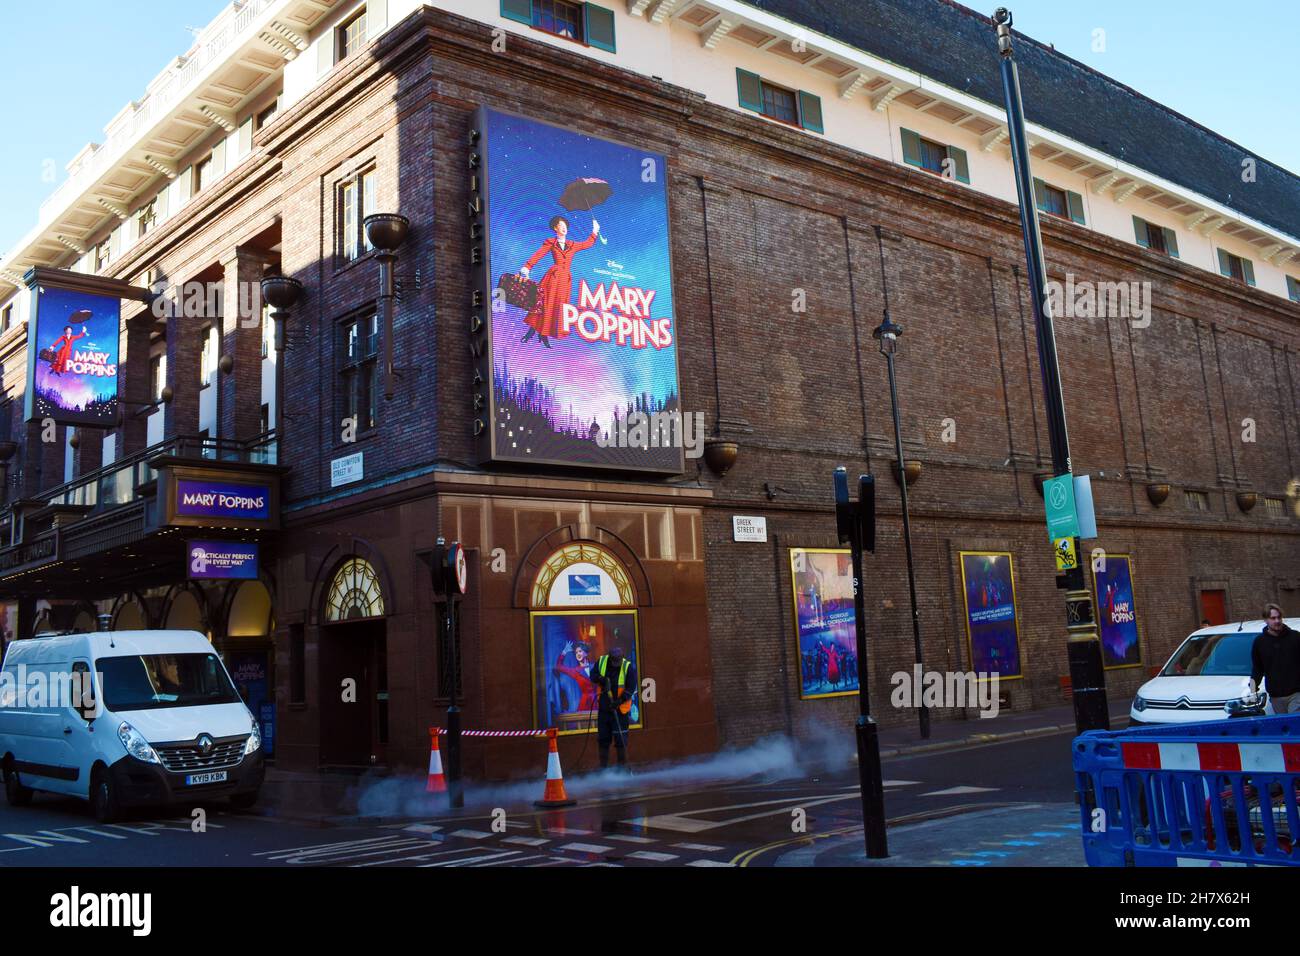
<point>1008,803</point>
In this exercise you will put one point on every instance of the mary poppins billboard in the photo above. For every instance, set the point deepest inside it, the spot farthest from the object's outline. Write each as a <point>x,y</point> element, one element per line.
<point>578,339</point>
<point>72,357</point>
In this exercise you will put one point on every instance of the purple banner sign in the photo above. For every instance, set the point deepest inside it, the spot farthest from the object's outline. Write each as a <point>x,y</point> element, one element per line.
<point>210,499</point>
<point>222,559</point>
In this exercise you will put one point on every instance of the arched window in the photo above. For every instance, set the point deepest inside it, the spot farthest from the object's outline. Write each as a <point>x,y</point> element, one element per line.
<point>354,593</point>
<point>582,574</point>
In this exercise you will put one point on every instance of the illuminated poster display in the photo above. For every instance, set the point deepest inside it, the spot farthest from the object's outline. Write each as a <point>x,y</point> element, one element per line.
<point>1121,644</point>
<point>578,363</point>
<point>567,646</point>
<point>824,621</point>
<point>72,357</point>
<point>992,633</point>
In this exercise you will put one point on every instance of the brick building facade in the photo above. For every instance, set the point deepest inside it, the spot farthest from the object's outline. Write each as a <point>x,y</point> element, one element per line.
<point>785,252</point>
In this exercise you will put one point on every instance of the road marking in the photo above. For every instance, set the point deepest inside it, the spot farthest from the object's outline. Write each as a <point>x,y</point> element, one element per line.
<point>553,861</point>
<point>111,836</point>
<point>567,831</point>
<point>344,850</point>
<point>51,835</point>
<point>587,848</point>
<point>422,828</point>
<point>474,860</point>
<point>326,846</point>
<point>526,841</point>
<point>470,834</point>
<point>1047,833</point>
<point>425,854</point>
<point>652,856</point>
<point>959,791</point>
<point>709,863</point>
<point>702,847</point>
<point>685,822</point>
<point>538,856</point>
<point>889,783</point>
<point>628,838</point>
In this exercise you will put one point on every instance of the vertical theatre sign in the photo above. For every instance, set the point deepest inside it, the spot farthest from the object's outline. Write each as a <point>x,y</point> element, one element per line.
<point>72,345</point>
<point>573,330</point>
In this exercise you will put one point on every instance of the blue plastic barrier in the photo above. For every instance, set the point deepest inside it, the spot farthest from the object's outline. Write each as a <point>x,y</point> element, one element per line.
<point>1211,794</point>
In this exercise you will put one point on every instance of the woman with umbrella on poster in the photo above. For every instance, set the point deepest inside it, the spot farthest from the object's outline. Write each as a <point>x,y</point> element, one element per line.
<point>553,292</point>
<point>60,350</point>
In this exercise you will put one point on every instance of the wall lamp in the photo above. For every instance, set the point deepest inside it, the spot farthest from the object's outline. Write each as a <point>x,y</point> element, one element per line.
<point>282,294</point>
<point>386,231</point>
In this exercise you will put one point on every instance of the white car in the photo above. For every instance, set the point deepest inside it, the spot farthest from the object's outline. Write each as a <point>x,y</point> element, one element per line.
<point>1207,678</point>
<point>123,718</point>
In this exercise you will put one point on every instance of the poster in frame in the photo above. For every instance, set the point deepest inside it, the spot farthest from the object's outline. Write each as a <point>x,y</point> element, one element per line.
<point>565,648</point>
<point>1117,613</point>
<point>990,613</point>
<point>821,583</point>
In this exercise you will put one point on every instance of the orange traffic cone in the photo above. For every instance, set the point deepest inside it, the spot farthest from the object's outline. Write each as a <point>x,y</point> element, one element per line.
<point>554,795</point>
<point>437,782</point>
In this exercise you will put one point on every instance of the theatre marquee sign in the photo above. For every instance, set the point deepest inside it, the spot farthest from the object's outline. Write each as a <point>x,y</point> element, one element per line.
<point>211,499</point>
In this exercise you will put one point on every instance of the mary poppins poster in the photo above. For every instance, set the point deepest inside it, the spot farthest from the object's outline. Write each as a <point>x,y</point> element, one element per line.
<point>72,351</point>
<point>583,333</point>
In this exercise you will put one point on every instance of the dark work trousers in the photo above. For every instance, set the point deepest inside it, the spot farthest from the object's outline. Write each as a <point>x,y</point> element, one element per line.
<point>611,725</point>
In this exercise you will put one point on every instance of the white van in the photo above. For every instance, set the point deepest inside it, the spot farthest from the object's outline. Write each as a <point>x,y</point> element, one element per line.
<point>1207,678</point>
<point>125,718</point>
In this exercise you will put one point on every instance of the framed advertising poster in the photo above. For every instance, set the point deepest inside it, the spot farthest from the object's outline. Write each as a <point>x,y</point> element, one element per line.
<point>566,646</point>
<point>1121,637</point>
<point>576,358</point>
<point>72,344</point>
<point>824,621</point>
<point>988,584</point>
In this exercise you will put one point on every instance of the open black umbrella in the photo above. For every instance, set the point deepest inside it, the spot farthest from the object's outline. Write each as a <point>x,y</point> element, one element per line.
<point>585,193</point>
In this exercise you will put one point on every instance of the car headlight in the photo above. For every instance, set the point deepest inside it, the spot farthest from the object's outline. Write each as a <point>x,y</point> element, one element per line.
<point>254,738</point>
<point>135,744</point>
<point>1139,704</point>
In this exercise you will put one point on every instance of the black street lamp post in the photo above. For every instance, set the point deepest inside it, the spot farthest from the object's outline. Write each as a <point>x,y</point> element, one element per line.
<point>887,334</point>
<point>1083,649</point>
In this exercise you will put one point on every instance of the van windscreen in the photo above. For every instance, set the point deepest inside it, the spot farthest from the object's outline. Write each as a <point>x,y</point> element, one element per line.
<point>150,681</point>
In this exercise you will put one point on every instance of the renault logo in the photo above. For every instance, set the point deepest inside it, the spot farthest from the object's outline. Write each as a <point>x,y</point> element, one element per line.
<point>204,742</point>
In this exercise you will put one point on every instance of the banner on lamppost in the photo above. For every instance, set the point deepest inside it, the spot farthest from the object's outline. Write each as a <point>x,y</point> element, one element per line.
<point>1121,639</point>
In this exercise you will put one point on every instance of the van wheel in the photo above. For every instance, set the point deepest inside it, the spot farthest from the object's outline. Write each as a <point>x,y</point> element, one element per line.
<point>103,796</point>
<point>15,792</point>
<point>243,801</point>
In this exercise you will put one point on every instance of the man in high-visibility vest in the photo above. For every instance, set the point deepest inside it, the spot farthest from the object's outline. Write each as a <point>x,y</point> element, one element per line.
<point>615,679</point>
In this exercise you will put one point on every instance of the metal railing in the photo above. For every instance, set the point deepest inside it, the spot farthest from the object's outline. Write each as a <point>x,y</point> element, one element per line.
<point>119,483</point>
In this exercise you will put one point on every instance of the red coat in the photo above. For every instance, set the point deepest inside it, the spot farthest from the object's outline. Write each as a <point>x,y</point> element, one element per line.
<point>64,344</point>
<point>586,686</point>
<point>556,287</point>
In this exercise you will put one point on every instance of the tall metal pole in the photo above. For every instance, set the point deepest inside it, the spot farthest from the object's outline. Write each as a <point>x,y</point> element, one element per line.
<point>851,520</point>
<point>1087,673</point>
<point>923,714</point>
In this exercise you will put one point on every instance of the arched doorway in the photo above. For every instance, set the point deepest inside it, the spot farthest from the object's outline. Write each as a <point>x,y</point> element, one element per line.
<point>185,612</point>
<point>582,606</point>
<point>130,615</point>
<point>354,667</point>
<point>249,652</point>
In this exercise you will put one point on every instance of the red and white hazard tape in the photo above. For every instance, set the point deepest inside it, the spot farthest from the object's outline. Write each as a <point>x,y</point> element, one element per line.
<point>494,733</point>
<point>1227,757</point>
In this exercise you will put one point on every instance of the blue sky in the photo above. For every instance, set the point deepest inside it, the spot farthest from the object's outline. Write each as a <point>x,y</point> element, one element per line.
<point>1227,66</point>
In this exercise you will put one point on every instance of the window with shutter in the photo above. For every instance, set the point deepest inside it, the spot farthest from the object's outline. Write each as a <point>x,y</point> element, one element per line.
<point>520,11</point>
<point>960,167</point>
<point>600,27</point>
<point>1074,203</point>
<point>810,112</point>
<point>1140,231</point>
<point>749,88</point>
<point>911,147</point>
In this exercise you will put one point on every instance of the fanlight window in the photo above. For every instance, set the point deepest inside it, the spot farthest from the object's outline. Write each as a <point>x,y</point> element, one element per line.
<point>354,593</point>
